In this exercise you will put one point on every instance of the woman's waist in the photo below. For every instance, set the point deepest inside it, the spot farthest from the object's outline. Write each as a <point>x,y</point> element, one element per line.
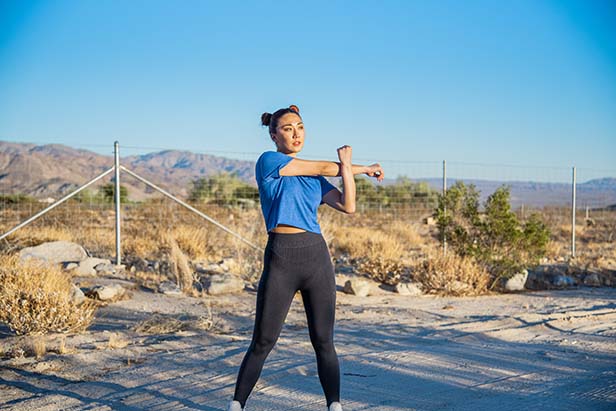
<point>294,240</point>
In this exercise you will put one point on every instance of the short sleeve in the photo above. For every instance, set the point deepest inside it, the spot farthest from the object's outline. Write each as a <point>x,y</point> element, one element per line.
<point>270,163</point>
<point>326,186</point>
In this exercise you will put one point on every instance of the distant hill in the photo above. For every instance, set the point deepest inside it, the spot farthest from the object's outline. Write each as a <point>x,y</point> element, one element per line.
<point>54,170</point>
<point>594,193</point>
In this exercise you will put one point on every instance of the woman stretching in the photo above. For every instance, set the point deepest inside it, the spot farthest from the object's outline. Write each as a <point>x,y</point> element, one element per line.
<point>296,256</point>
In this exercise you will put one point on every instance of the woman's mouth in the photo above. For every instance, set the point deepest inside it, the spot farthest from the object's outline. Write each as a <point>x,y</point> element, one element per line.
<point>297,143</point>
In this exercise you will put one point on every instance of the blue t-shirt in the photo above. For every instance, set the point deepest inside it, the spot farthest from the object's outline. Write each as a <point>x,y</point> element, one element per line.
<point>291,200</point>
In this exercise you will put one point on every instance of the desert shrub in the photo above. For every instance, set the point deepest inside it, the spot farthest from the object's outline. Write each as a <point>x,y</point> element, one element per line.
<point>107,194</point>
<point>387,271</point>
<point>223,189</point>
<point>496,238</point>
<point>452,275</point>
<point>36,299</point>
<point>403,193</point>
<point>363,242</point>
<point>372,252</point>
<point>19,198</point>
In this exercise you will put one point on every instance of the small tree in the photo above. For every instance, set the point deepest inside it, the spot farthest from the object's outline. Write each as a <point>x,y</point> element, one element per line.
<point>495,238</point>
<point>107,192</point>
<point>222,189</point>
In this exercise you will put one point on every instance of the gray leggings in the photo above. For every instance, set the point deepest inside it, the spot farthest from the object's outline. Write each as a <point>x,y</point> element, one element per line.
<point>294,262</point>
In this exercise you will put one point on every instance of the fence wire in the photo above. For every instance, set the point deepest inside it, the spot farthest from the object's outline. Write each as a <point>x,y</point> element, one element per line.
<point>407,199</point>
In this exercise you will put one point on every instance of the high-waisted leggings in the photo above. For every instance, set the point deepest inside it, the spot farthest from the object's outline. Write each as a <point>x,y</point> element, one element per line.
<point>292,262</point>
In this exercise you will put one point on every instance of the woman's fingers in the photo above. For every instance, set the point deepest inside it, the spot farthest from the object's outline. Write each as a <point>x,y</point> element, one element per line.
<point>345,154</point>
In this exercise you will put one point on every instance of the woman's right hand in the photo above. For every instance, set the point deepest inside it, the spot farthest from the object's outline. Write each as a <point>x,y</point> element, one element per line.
<point>375,170</point>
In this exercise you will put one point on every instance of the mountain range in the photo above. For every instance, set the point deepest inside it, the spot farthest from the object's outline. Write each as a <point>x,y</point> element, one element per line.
<point>54,170</point>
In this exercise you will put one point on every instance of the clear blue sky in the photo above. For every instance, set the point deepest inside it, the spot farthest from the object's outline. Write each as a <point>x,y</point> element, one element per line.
<point>514,82</point>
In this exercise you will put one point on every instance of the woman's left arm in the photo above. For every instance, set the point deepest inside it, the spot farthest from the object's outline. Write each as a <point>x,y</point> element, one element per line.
<point>343,201</point>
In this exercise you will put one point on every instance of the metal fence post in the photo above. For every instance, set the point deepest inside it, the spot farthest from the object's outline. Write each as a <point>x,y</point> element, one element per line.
<point>444,204</point>
<point>573,214</point>
<point>116,154</point>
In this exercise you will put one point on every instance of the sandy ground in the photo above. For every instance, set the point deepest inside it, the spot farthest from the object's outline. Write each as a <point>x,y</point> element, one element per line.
<point>534,351</point>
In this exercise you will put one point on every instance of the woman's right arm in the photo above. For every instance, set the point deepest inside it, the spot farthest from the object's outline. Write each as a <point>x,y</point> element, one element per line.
<point>299,167</point>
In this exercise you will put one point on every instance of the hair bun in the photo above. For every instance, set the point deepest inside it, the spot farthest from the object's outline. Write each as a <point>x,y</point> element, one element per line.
<point>294,108</point>
<point>266,118</point>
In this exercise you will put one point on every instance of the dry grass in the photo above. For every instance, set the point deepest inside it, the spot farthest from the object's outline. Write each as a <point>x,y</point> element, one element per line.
<point>38,346</point>
<point>62,349</point>
<point>35,299</point>
<point>362,242</point>
<point>452,275</point>
<point>386,271</point>
<point>382,244</point>
<point>180,267</point>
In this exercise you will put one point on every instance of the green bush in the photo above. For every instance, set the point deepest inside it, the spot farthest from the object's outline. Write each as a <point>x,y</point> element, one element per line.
<point>403,193</point>
<point>495,238</point>
<point>223,189</point>
<point>16,198</point>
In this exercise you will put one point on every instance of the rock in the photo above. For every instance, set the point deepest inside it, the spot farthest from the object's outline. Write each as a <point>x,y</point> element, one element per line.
<point>429,221</point>
<point>517,282</point>
<point>217,284</point>
<point>139,264</point>
<point>222,266</point>
<point>86,267</point>
<point>54,252</point>
<point>107,268</point>
<point>70,266</point>
<point>357,286</point>
<point>106,292</point>
<point>592,280</point>
<point>77,296</point>
<point>543,277</point>
<point>408,289</point>
<point>169,288</point>
<point>563,281</point>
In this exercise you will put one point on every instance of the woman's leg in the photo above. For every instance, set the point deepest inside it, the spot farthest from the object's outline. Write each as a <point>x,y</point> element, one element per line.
<point>274,297</point>
<point>319,298</point>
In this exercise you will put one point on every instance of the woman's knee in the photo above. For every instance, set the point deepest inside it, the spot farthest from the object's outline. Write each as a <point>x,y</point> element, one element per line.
<point>323,344</point>
<point>262,345</point>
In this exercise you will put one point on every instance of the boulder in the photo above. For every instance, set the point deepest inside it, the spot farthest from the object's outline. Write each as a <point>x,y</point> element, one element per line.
<point>106,292</point>
<point>169,288</point>
<point>109,269</point>
<point>86,267</point>
<point>217,284</point>
<point>563,281</point>
<point>408,289</point>
<point>357,286</point>
<point>77,296</point>
<point>54,252</point>
<point>70,266</point>
<point>592,280</point>
<point>544,277</point>
<point>517,282</point>
<point>222,266</point>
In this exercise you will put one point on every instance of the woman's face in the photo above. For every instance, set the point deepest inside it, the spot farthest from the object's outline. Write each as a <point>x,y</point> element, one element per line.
<point>289,136</point>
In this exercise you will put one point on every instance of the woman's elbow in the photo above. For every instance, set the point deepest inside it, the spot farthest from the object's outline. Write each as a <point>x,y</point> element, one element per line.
<point>349,209</point>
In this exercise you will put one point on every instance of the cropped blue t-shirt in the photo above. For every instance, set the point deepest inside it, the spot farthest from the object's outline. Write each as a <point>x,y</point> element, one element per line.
<point>291,200</point>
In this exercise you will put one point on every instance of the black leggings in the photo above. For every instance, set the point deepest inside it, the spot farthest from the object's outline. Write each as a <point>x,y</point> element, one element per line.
<point>292,262</point>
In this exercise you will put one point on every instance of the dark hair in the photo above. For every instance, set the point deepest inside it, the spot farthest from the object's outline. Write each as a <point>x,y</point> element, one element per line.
<point>271,120</point>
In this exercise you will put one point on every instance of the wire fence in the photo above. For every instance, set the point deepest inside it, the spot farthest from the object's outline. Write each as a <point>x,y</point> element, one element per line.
<point>226,188</point>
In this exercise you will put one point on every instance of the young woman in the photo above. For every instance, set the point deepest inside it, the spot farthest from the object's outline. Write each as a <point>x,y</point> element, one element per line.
<point>296,256</point>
